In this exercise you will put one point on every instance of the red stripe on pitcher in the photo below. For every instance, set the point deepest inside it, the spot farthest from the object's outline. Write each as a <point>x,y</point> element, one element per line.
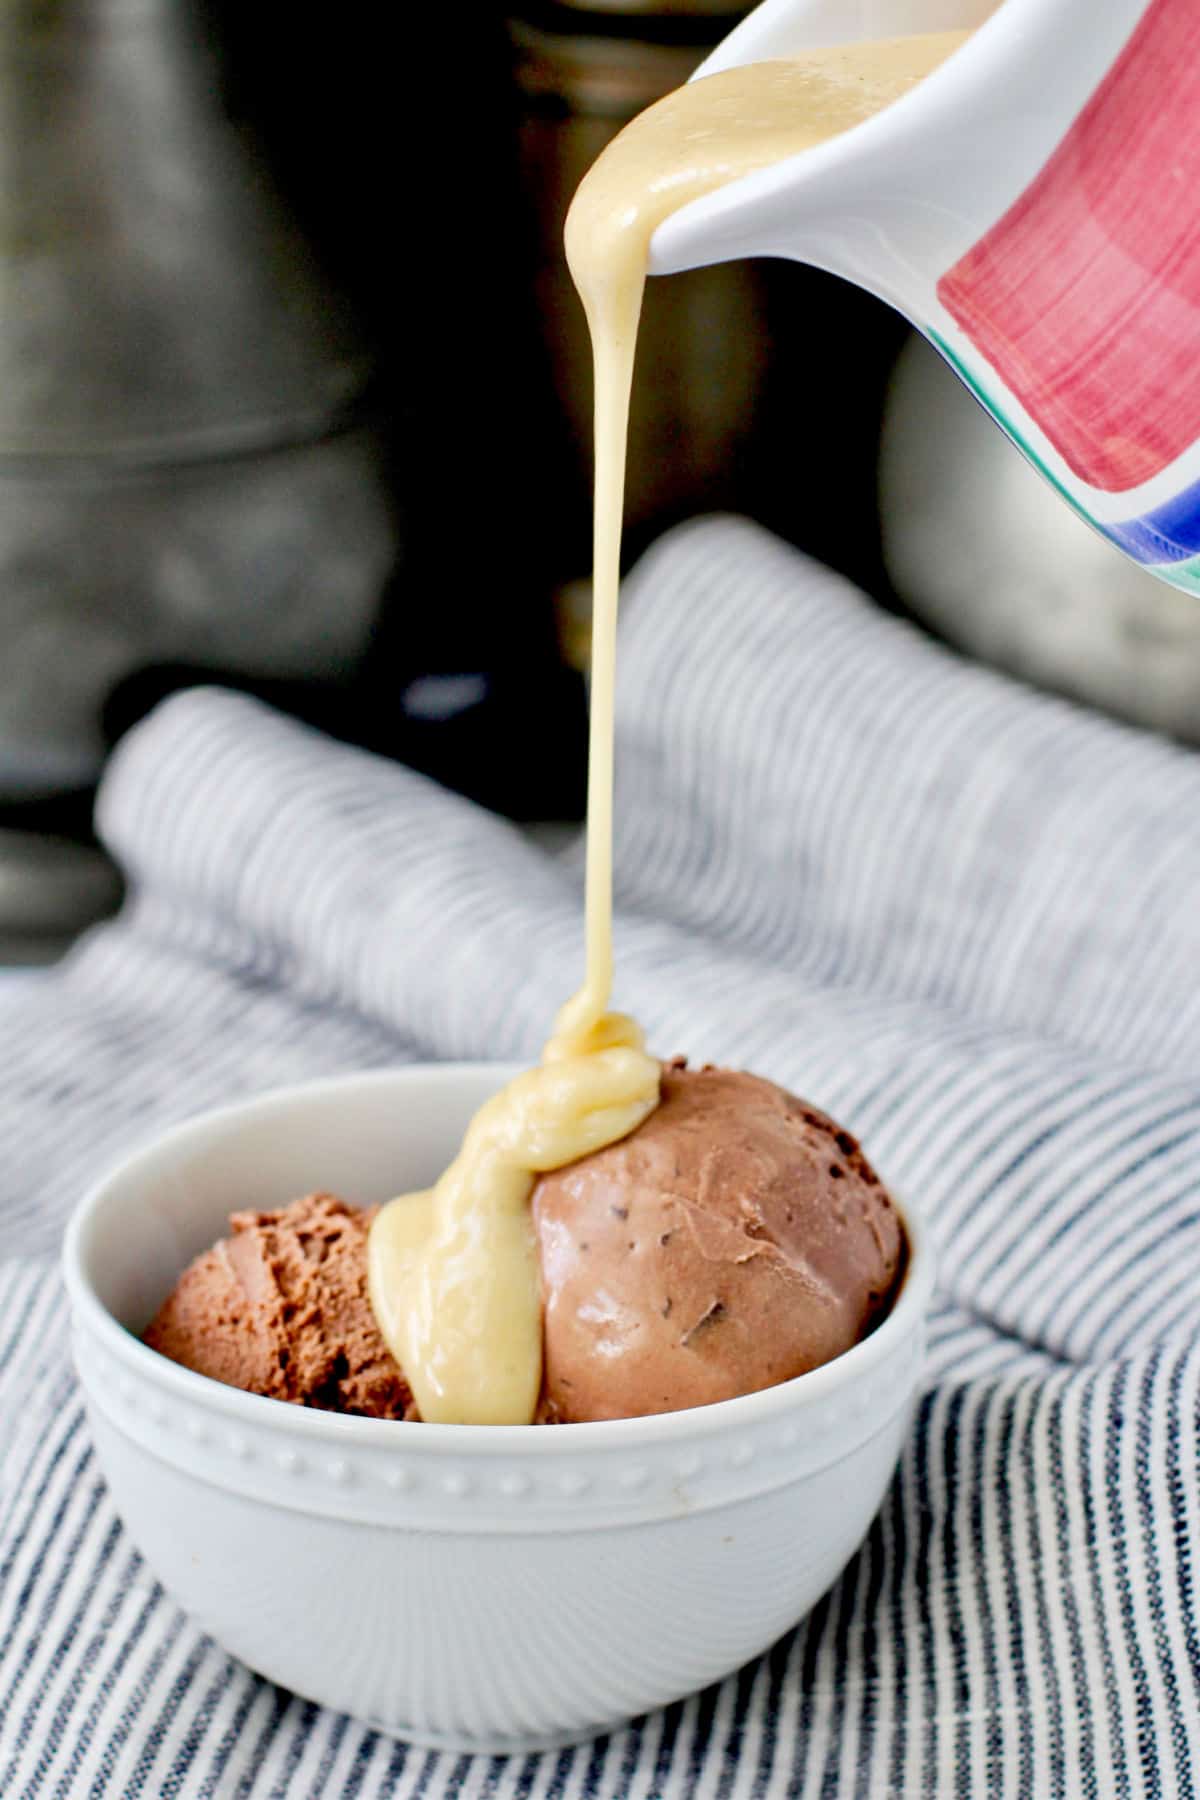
<point>1085,297</point>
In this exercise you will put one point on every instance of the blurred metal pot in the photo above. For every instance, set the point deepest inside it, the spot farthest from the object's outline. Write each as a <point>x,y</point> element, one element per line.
<point>188,468</point>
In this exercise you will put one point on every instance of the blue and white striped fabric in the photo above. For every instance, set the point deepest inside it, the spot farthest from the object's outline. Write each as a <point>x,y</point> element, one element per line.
<point>961,916</point>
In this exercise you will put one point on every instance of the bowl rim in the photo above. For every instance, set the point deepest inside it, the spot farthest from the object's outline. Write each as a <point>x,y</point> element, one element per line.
<point>815,1387</point>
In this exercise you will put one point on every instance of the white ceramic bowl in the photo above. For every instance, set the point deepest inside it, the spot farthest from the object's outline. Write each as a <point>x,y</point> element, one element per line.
<point>483,1588</point>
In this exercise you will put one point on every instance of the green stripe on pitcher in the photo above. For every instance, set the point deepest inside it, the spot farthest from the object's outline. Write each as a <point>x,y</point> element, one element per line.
<point>1182,575</point>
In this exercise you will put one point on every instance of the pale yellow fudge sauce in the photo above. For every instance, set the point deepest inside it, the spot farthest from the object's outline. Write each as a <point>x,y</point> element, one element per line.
<point>453,1271</point>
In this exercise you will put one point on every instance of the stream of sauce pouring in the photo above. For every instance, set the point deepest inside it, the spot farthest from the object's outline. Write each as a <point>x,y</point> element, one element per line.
<point>453,1271</point>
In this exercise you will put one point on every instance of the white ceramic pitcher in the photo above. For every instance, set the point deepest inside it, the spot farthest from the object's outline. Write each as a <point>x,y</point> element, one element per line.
<point>1033,207</point>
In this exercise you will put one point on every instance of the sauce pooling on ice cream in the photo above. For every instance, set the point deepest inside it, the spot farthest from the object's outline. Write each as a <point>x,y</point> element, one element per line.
<point>454,1278</point>
<point>453,1271</point>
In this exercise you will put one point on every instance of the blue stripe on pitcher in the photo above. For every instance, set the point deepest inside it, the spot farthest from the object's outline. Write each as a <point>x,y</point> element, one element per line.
<point>1171,533</point>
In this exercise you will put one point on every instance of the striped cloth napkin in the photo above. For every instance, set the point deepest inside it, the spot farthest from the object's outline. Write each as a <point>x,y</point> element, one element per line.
<point>961,916</point>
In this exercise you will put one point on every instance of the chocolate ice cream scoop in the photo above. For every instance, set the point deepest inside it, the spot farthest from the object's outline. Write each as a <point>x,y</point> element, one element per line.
<point>281,1308</point>
<point>739,1237</point>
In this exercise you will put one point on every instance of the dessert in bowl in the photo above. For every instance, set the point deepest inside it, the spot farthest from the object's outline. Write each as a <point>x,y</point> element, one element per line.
<point>600,1405</point>
<point>478,1587</point>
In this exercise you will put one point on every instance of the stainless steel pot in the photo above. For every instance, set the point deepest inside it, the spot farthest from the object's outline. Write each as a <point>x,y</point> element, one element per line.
<point>188,467</point>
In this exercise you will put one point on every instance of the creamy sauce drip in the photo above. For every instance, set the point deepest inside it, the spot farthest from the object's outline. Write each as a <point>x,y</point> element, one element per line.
<point>453,1271</point>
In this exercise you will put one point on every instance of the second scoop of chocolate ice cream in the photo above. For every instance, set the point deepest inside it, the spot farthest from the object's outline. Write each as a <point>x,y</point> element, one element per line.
<point>280,1307</point>
<point>736,1239</point>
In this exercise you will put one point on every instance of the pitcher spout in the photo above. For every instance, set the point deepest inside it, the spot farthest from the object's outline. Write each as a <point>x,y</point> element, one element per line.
<point>1032,207</point>
<point>900,196</point>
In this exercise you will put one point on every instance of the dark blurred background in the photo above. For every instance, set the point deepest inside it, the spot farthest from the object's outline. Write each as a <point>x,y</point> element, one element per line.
<point>439,212</point>
<point>295,395</point>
